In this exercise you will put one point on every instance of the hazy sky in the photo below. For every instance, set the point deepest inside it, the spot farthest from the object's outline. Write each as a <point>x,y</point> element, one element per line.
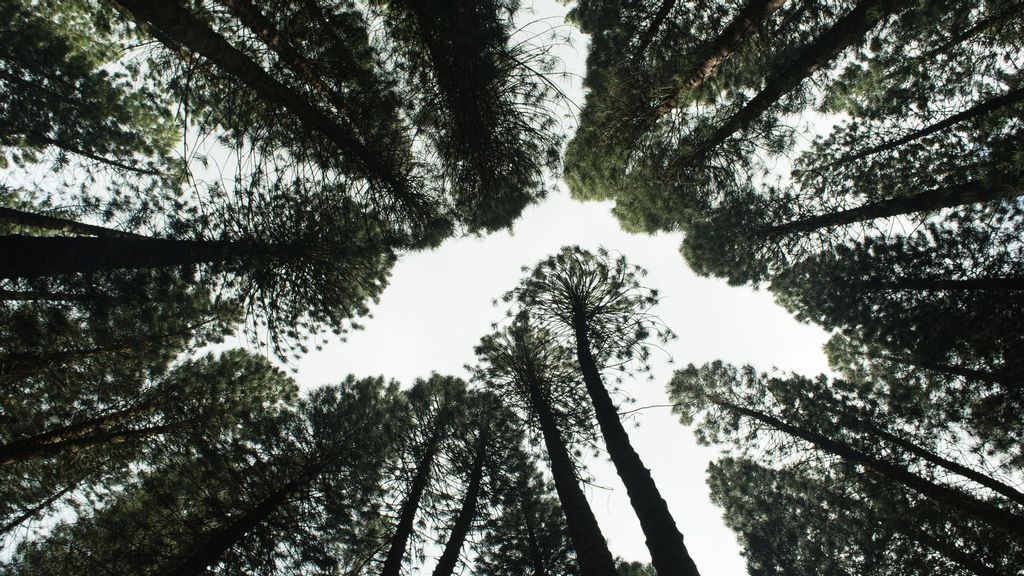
<point>439,304</point>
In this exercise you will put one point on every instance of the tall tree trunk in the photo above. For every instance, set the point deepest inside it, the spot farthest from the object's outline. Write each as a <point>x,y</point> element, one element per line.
<point>954,467</point>
<point>984,511</point>
<point>17,452</point>
<point>991,376</point>
<point>921,284</point>
<point>33,220</point>
<point>592,552</point>
<point>31,257</point>
<point>467,513</point>
<point>536,558</point>
<point>175,26</point>
<point>213,546</point>
<point>28,514</point>
<point>25,448</point>
<point>753,14</point>
<point>668,552</point>
<point>1012,11</point>
<point>947,197</point>
<point>848,31</point>
<point>652,30</point>
<point>396,551</point>
<point>39,139</point>
<point>1010,98</point>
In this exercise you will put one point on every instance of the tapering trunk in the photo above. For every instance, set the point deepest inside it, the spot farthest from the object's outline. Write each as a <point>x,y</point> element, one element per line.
<point>26,448</point>
<point>20,452</point>
<point>33,220</point>
<point>848,31</point>
<point>175,26</point>
<point>396,551</point>
<point>753,14</point>
<point>656,23</point>
<point>992,515</point>
<point>945,368</point>
<point>668,552</point>
<point>948,197</point>
<point>31,512</point>
<point>32,257</point>
<point>467,513</point>
<point>39,139</point>
<point>1012,11</point>
<point>954,467</point>
<point>536,557</point>
<point>213,546</point>
<point>1010,98</point>
<point>592,552</point>
<point>920,284</point>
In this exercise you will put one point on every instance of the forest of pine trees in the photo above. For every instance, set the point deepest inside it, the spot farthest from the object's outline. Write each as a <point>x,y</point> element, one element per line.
<point>174,174</point>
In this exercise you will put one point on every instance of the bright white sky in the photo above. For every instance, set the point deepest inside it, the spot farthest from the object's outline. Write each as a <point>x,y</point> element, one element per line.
<point>439,304</point>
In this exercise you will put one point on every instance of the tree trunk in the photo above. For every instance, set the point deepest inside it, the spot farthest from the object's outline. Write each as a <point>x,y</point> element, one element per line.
<point>536,558</point>
<point>33,220</point>
<point>954,467</point>
<point>467,513</point>
<point>175,26</point>
<point>951,369</point>
<point>26,448</point>
<point>984,511</point>
<point>668,552</point>
<point>848,31</point>
<point>945,284</point>
<point>753,14</point>
<point>28,514</point>
<point>30,257</point>
<point>652,30</point>
<point>18,452</point>
<point>1008,99</point>
<point>213,546</point>
<point>39,139</point>
<point>948,197</point>
<point>393,561</point>
<point>1010,12</point>
<point>592,552</point>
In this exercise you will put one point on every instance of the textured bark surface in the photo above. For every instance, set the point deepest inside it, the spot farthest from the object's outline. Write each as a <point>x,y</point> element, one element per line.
<point>396,551</point>
<point>668,552</point>
<point>33,220</point>
<point>591,549</point>
<point>467,512</point>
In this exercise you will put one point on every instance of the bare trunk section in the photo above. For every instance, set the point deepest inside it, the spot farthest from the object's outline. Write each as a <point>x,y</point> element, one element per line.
<point>992,515</point>
<point>396,552</point>
<point>592,552</point>
<point>1010,98</point>
<point>930,200</point>
<point>17,452</point>
<point>32,257</point>
<point>753,14</point>
<point>33,220</point>
<point>467,513</point>
<point>848,31</point>
<point>668,552</point>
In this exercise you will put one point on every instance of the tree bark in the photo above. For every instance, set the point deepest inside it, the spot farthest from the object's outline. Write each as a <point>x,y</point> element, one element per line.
<point>753,14</point>
<point>393,561</point>
<point>947,197</point>
<point>536,558</point>
<point>990,105</point>
<point>28,514</point>
<point>467,513</point>
<point>652,30</point>
<point>668,552</point>
<point>954,467</point>
<point>18,452</point>
<point>992,515</point>
<point>846,32</point>
<point>31,257</point>
<point>952,552</point>
<point>945,284</point>
<point>26,448</point>
<point>592,552</point>
<point>174,25</point>
<point>213,546</point>
<point>951,369</point>
<point>33,220</point>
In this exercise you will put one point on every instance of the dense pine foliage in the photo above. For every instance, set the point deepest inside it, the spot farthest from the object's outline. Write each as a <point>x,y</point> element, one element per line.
<point>176,172</point>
